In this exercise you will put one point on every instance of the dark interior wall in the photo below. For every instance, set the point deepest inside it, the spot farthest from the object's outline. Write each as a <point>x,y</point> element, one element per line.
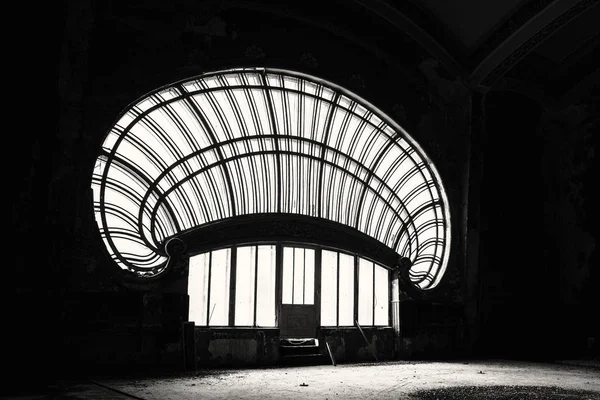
<point>69,313</point>
<point>511,210</point>
<point>111,53</point>
<point>225,347</point>
<point>537,242</point>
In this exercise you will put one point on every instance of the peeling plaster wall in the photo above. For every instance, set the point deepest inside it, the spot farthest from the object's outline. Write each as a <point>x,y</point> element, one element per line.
<point>236,347</point>
<point>433,330</point>
<point>348,344</point>
<point>250,347</point>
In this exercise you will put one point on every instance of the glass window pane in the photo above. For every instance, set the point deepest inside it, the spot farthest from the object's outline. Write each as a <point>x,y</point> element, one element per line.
<point>328,288</point>
<point>219,288</point>
<point>309,276</point>
<point>265,306</point>
<point>381,296</point>
<point>198,288</point>
<point>298,276</point>
<point>365,292</point>
<point>244,286</point>
<point>288,275</point>
<point>346,290</point>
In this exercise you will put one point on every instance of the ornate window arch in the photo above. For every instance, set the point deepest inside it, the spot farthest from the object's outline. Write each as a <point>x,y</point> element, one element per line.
<point>253,142</point>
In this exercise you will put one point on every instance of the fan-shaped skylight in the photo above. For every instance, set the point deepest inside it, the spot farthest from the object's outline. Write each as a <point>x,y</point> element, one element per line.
<point>254,141</point>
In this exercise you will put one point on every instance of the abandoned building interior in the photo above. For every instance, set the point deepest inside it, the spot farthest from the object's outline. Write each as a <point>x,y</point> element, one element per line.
<point>259,183</point>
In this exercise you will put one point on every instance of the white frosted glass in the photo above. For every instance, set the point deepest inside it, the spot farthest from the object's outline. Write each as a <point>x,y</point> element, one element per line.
<point>328,288</point>
<point>346,312</point>
<point>244,286</point>
<point>298,276</point>
<point>365,292</point>
<point>288,275</point>
<point>309,276</point>
<point>265,292</point>
<point>198,288</point>
<point>381,296</point>
<point>219,288</point>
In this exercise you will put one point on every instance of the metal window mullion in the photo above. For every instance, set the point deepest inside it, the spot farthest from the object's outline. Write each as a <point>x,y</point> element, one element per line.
<point>374,295</point>
<point>163,196</point>
<point>190,140</point>
<point>278,282</point>
<point>233,102</point>
<point>202,121</point>
<point>257,127</point>
<point>390,308</point>
<point>129,169</point>
<point>232,284</point>
<point>356,286</point>
<point>255,284</point>
<point>330,115</point>
<point>293,273</point>
<point>220,114</point>
<point>316,158</point>
<point>317,283</point>
<point>371,168</point>
<point>303,205</point>
<point>216,206</point>
<point>271,111</point>
<point>209,285</point>
<point>337,307</point>
<point>170,149</point>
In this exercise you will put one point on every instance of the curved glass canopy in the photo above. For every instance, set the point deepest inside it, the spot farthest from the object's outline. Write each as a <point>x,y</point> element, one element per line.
<point>256,141</point>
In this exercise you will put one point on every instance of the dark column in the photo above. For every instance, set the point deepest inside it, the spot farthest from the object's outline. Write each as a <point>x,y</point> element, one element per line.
<point>516,288</point>
<point>470,281</point>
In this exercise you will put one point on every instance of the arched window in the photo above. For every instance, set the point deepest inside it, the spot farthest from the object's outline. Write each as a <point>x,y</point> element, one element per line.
<point>246,143</point>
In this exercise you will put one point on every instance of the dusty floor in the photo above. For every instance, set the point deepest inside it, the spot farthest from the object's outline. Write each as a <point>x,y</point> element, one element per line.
<point>392,380</point>
<point>464,380</point>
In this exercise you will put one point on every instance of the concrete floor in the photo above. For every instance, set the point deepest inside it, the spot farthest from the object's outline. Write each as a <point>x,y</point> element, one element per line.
<point>390,380</point>
<point>387,380</point>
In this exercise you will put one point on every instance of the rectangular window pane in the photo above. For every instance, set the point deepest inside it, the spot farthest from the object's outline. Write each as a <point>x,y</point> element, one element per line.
<point>219,288</point>
<point>198,288</point>
<point>288,275</point>
<point>309,276</point>
<point>365,292</point>
<point>265,302</point>
<point>346,310</point>
<point>381,296</point>
<point>328,288</point>
<point>298,276</point>
<point>244,286</point>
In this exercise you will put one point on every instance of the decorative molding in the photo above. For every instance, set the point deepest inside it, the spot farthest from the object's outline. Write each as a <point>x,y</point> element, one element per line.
<point>525,39</point>
<point>407,24</point>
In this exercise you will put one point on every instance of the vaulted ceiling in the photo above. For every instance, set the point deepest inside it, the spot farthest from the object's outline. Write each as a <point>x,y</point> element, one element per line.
<point>548,49</point>
<point>544,48</point>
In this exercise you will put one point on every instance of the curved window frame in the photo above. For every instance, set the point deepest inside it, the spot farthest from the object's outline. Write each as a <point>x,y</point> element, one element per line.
<point>236,144</point>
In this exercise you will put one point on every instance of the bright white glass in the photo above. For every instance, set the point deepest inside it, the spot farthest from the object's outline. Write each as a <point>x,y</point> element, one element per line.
<point>265,292</point>
<point>381,296</point>
<point>346,312</point>
<point>365,292</point>
<point>298,296</point>
<point>328,288</point>
<point>198,288</point>
<point>288,275</point>
<point>309,276</point>
<point>244,285</point>
<point>219,288</point>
